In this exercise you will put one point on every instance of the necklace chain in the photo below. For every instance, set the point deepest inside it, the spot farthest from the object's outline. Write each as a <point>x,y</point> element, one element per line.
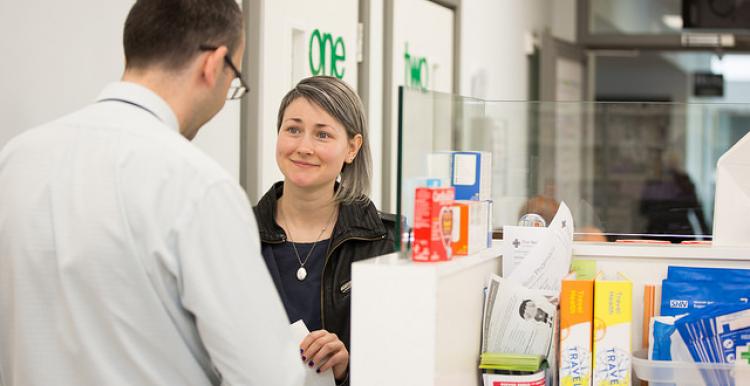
<point>296,253</point>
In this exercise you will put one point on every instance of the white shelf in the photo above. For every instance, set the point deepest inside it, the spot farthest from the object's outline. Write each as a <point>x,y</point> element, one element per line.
<point>661,251</point>
<point>403,261</point>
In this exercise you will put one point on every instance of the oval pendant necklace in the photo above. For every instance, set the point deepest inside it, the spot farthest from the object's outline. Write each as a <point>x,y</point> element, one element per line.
<point>302,271</point>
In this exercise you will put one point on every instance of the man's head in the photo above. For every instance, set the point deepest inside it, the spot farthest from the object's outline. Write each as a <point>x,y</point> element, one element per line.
<point>529,311</point>
<point>184,50</point>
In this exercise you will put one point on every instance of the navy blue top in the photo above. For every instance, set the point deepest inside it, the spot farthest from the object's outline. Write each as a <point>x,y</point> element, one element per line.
<point>302,298</point>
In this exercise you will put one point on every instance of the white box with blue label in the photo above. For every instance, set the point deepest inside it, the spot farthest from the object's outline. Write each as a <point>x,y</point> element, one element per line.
<point>470,172</point>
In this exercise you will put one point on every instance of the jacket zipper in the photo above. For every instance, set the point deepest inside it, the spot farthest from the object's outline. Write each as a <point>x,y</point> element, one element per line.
<point>323,274</point>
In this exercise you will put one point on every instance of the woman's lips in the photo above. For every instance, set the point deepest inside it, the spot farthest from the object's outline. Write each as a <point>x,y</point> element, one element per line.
<point>303,164</point>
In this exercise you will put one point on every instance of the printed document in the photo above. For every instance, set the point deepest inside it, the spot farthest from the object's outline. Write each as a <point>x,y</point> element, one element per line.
<point>299,332</point>
<point>547,260</point>
<point>517,319</point>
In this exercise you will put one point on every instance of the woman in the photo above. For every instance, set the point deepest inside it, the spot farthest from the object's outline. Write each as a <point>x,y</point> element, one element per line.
<point>318,221</point>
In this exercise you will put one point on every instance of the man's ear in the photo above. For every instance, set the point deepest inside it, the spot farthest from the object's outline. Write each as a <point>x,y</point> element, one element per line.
<point>212,65</point>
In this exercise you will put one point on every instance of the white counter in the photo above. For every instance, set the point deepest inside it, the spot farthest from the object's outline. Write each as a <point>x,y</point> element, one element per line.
<point>419,323</point>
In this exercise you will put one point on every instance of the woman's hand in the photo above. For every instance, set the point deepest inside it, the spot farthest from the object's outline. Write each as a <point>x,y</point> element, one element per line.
<point>324,350</point>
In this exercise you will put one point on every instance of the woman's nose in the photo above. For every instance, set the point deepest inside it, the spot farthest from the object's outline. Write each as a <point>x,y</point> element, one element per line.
<point>305,145</point>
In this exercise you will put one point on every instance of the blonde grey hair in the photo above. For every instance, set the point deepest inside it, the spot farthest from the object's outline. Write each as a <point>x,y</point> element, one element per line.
<point>343,104</point>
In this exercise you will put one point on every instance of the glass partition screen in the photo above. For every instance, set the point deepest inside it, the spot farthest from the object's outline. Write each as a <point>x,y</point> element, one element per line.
<point>625,169</point>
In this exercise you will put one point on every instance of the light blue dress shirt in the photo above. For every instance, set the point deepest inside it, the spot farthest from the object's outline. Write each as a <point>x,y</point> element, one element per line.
<point>129,257</point>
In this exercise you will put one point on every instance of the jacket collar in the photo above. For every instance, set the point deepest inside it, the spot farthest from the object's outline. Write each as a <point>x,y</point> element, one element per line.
<point>358,220</point>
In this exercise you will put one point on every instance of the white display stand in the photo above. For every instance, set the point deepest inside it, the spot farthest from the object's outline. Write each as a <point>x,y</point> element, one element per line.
<point>419,323</point>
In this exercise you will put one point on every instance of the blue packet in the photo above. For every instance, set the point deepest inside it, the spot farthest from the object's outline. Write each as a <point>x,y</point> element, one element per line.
<point>662,329</point>
<point>680,297</point>
<point>707,274</point>
<point>709,332</point>
<point>733,331</point>
<point>665,343</point>
<point>704,330</point>
<point>732,339</point>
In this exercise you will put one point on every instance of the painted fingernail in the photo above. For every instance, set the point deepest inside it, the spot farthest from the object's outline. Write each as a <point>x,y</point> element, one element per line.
<point>304,358</point>
<point>301,351</point>
<point>310,363</point>
<point>317,370</point>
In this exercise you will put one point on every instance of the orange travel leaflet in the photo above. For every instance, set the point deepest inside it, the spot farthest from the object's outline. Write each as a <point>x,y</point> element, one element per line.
<point>576,320</point>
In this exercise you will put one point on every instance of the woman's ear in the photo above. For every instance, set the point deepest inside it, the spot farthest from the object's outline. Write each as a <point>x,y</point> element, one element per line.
<point>354,145</point>
<point>213,64</point>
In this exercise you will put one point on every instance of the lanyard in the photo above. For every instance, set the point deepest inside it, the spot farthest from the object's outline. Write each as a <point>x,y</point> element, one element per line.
<point>130,103</point>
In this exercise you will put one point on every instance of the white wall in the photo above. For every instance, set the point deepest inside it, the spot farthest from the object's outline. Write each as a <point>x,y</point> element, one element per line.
<point>496,38</point>
<point>285,62</point>
<point>374,97</point>
<point>424,30</point>
<point>493,42</point>
<point>55,61</point>
<point>58,55</point>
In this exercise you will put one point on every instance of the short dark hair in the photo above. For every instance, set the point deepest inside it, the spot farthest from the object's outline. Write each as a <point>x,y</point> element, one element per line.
<point>522,308</point>
<point>169,32</point>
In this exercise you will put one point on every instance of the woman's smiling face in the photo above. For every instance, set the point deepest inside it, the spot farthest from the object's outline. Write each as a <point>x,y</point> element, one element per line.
<point>312,146</point>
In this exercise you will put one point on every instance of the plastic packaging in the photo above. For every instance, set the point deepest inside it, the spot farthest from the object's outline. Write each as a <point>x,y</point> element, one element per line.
<point>659,373</point>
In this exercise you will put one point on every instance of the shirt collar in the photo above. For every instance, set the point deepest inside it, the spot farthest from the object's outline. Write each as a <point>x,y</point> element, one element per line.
<point>144,97</point>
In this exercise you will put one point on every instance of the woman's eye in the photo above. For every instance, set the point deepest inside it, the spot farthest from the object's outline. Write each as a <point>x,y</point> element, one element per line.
<point>323,135</point>
<point>292,130</point>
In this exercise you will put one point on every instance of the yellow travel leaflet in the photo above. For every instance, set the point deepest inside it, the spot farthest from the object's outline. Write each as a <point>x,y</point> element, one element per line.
<point>613,314</point>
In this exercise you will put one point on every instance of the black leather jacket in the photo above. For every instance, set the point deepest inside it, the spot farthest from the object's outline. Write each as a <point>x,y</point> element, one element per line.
<point>361,232</point>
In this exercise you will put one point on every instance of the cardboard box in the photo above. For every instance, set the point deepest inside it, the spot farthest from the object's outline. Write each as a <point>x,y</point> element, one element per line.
<point>470,172</point>
<point>613,316</point>
<point>471,175</point>
<point>470,221</point>
<point>433,224</point>
<point>410,186</point>
<point>576,327</point>
<point>439,166</point>
<point>535,379</point>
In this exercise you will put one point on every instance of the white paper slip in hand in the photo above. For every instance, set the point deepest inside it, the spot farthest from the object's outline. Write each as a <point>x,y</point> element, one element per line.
<point>299,332</point>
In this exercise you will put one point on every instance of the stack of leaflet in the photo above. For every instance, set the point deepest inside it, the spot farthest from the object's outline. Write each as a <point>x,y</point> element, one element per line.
<point>513,369</point>
<point>705,318</point>
<point>511,362</point>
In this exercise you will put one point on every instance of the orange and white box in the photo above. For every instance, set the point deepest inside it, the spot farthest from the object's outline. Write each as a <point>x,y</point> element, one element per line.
<point>433,224</point>
<point>470,227</point>
<point>576,328</point>
<point>535,379</point>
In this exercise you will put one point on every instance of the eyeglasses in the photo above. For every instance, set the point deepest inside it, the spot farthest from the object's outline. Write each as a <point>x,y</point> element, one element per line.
<point>238,88</point>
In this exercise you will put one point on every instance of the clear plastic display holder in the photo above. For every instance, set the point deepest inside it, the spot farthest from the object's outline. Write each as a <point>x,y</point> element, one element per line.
<point>627,170</point>
<point>668,373</point>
